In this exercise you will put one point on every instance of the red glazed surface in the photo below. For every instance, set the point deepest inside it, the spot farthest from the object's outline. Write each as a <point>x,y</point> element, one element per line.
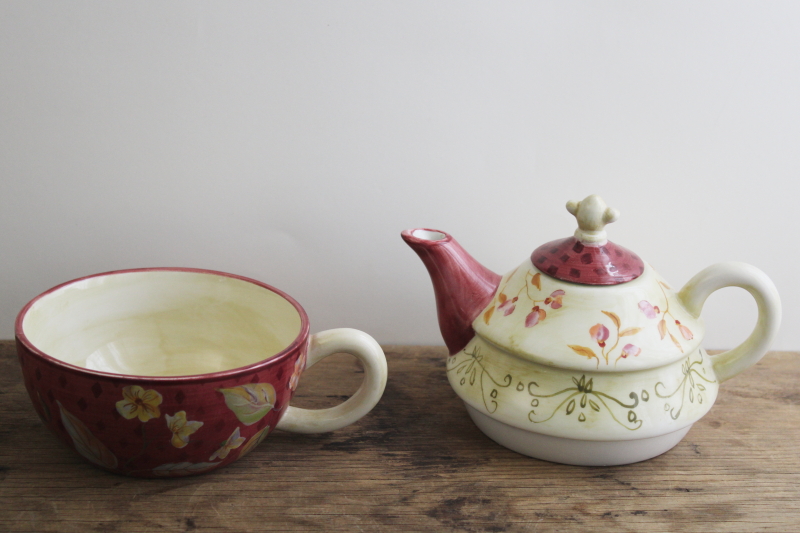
<point>463,287</point>
<point>84,407</point>
<point>570,260</point>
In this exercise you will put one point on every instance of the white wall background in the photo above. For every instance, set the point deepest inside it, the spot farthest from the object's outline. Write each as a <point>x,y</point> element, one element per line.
<point>293,141</point>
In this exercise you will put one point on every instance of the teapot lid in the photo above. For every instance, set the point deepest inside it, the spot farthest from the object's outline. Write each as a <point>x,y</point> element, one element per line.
<point>589,258</point>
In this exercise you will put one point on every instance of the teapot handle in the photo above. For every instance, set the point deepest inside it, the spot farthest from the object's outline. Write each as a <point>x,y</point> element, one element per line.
<point>735,274</point>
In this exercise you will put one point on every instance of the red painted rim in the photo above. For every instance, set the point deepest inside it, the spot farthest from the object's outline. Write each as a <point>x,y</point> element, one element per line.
<point>283,354</point>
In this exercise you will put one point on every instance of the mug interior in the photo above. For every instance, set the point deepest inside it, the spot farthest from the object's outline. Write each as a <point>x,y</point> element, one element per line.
<point>162,323</point>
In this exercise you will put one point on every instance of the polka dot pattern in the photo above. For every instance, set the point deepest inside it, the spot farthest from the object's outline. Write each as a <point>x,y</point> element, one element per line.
<point>570,260</point>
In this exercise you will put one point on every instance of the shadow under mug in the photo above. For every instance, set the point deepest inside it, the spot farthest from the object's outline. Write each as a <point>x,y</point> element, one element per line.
<point>168,372</point>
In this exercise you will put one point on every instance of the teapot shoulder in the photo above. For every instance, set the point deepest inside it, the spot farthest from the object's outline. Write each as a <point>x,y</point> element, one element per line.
<point>632,326</point>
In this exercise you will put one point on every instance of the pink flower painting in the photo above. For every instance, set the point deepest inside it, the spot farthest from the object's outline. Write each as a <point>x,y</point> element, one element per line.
<point>630,349</point>
<point>599,333</point>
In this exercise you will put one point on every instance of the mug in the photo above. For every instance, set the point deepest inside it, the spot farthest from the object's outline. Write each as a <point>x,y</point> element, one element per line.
<point>165,372</point>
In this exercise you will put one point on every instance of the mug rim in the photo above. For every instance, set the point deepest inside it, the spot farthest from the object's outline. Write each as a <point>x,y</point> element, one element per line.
<point>222,374</point>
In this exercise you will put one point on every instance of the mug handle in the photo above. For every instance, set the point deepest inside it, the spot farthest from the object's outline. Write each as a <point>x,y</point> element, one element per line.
<point>366,350</point>
<point>754,281</point>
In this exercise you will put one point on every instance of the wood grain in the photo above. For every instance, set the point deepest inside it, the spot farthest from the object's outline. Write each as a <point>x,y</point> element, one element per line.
<point>417,463</point>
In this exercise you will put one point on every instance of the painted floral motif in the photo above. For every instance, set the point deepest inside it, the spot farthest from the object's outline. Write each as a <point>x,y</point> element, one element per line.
<point>630,349</point>
<point>254,441</point>
<point>652,312</point>
<point>691,386</point>
<point>505,305</point>
<point>85,442</point>
<point>299,366</point>
<point>600,333</point>
<point>181,428</point>
<point>140,403</point>
<point>581,397</point>
<point>233,442</point>
<point>554,300</point>
<point>250,402</point>
<point>648,309</point>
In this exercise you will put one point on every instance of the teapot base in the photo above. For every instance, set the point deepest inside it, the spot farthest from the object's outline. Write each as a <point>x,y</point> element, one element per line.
<point>575,451</point>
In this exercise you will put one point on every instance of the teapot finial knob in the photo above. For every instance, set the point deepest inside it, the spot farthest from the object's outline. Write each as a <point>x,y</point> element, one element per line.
<point>593,214</point>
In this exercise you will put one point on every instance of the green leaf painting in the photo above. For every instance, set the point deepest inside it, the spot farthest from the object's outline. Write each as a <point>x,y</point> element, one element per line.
<point>85,442</point>
<point>251,402</point>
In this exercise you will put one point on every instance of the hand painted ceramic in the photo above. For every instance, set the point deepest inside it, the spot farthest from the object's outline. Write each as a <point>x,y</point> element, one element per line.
<point>172,372</point>
<point>583,354</point>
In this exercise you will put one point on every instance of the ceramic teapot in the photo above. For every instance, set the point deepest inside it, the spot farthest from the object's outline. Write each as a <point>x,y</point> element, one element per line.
<point>583,354</point>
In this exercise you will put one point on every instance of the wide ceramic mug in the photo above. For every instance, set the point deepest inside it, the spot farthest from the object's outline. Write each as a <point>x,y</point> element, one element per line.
<point>174,371</point>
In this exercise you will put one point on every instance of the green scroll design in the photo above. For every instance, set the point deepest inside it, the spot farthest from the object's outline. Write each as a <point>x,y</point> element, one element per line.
<point>474,371</point>
<point>690,383</point>
<point>583,396</point>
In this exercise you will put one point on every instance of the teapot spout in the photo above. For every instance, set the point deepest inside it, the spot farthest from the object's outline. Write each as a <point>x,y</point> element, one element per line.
<point>463,287</point>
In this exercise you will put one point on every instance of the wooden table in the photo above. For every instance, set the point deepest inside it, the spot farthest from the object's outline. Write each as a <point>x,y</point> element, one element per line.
<point>417,463</point>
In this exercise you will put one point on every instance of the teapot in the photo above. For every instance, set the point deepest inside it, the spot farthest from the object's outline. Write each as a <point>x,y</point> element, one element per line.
<point>583,354</point>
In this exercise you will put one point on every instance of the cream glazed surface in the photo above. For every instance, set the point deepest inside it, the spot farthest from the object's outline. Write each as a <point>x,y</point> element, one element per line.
<point>637,325</point>
<point>583,405</point>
